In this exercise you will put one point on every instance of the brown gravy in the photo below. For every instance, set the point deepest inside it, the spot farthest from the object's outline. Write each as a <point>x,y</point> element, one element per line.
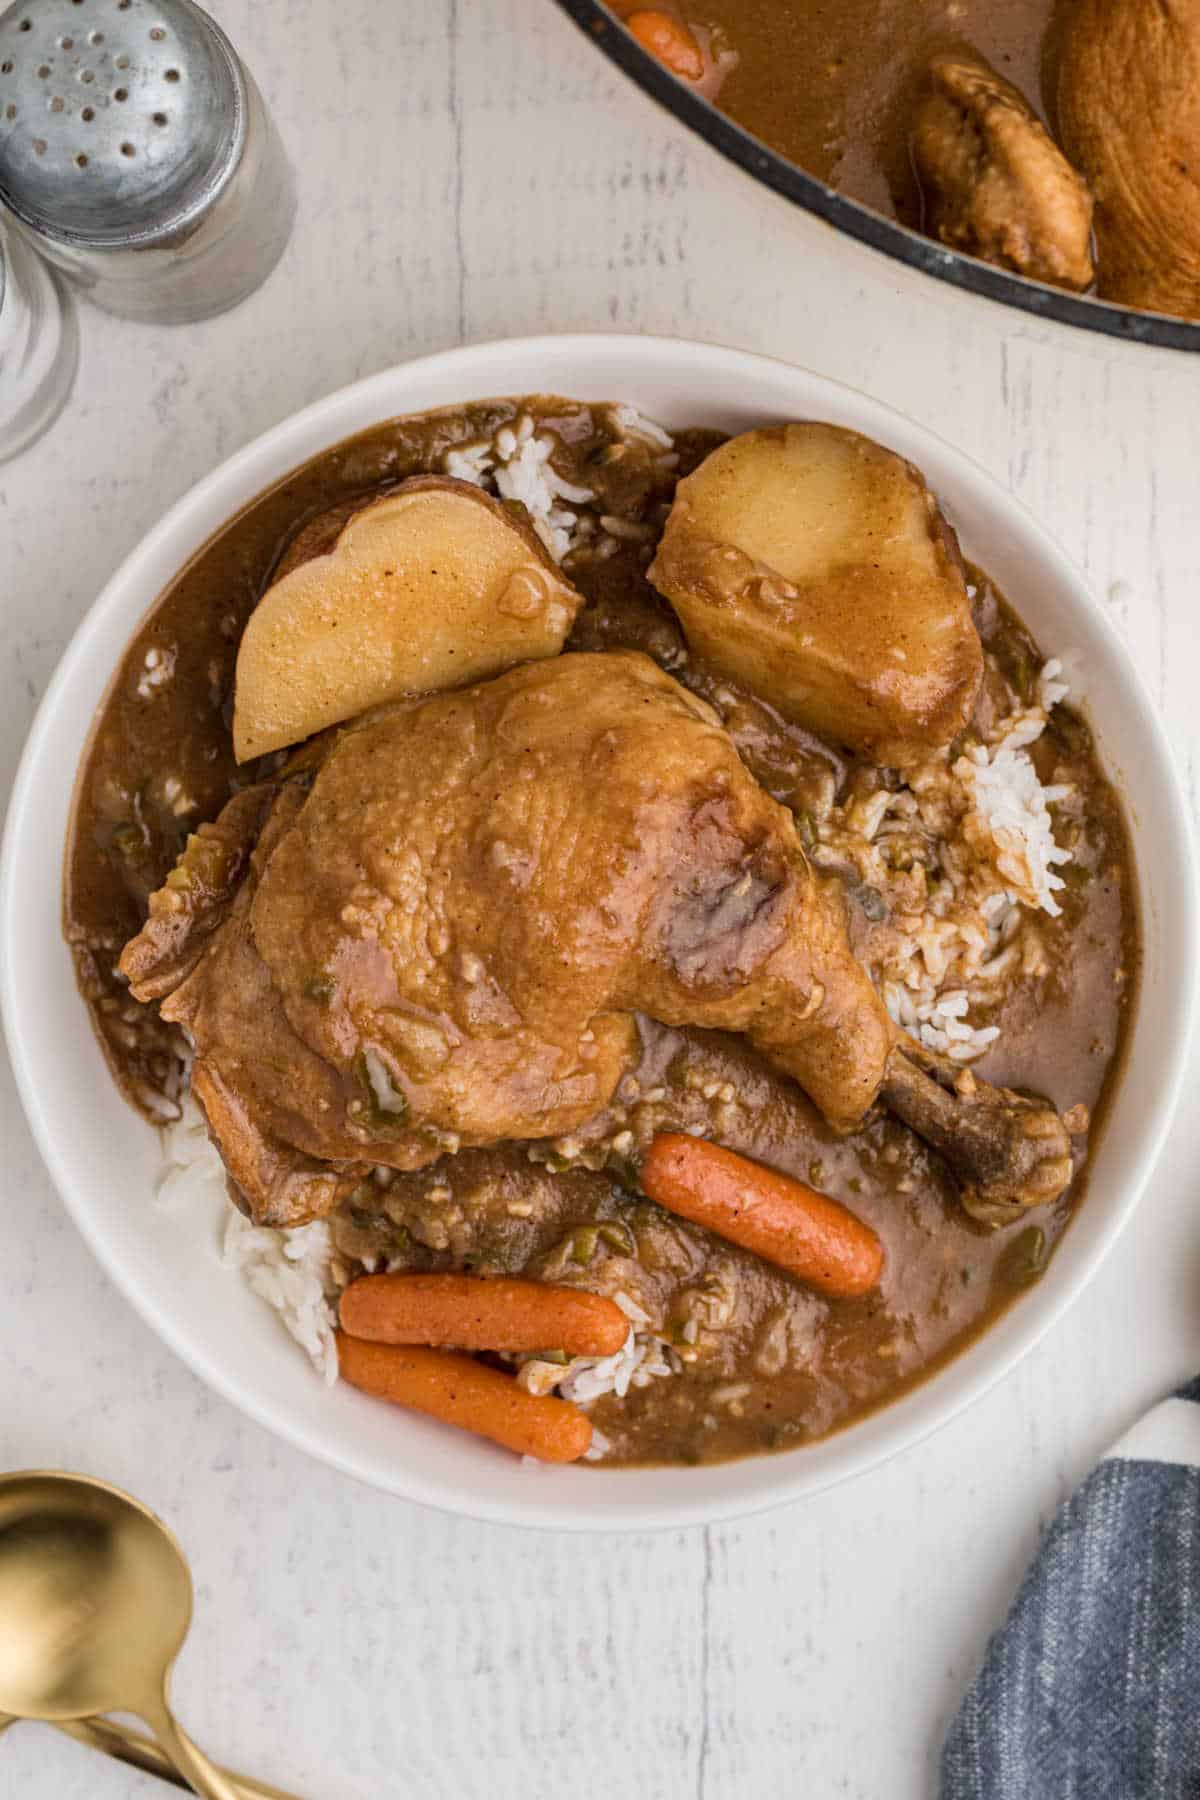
<point>829,83</point>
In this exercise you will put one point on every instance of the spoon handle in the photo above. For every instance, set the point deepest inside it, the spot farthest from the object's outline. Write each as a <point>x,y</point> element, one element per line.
<point>140,1752</point>
<point>203,1776</point>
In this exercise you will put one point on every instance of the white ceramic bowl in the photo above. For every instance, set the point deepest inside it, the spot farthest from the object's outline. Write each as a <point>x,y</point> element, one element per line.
<point>103,1158</point>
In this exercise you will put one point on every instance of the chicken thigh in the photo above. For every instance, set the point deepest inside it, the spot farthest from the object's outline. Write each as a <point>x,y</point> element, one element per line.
<point>447,941</point>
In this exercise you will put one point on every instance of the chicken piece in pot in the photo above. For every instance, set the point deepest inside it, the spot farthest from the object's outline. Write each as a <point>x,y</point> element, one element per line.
<point>1128,100</point>
<point>994,182</point>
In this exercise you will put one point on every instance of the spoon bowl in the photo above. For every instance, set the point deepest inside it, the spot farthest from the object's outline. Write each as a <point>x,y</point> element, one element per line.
<point>95,1602</point>
<point>95,1598</point>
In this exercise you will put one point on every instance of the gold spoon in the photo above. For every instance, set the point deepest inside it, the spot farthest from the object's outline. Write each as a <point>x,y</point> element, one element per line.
<point>95,1602</point>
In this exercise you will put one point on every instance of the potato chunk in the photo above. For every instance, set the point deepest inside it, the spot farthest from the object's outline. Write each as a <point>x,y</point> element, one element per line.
<point>433,586</point>
<point>815,566</point>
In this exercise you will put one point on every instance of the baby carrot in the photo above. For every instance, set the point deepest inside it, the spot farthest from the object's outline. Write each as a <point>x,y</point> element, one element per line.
<point>470,1313</point>
<point>469,1394</point>
<point>669,39</point>
<point>776,1217</point>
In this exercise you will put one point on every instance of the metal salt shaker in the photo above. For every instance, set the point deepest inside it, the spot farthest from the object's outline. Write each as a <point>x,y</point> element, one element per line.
<point>136,155</point>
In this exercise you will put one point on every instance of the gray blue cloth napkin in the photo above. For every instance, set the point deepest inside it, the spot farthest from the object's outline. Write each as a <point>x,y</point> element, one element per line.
<point>1091,1691</point>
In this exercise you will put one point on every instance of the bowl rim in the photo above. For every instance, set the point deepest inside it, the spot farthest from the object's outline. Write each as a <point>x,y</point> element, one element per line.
<point>472,372</point>
<point>952,267</point>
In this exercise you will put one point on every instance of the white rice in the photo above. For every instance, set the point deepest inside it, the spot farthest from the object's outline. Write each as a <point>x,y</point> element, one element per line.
<point>516,464</point>
<point>192,1172</point>
<point>1010,821</point>
<point>635,424</point>
<point>291,1270</point>
<point>643,1357</point>
<point>529,476</point>
<point>965,858</point>
<point>469,462</point>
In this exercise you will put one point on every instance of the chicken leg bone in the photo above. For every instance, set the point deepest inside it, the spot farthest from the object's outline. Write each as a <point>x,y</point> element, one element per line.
<point>1008,1150</point>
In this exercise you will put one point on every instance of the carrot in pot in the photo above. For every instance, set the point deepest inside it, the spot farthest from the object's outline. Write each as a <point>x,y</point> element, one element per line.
<point>470,1313</point>
<point>669,39</point>
<point>460,1391</point>
<point>778,1218</point>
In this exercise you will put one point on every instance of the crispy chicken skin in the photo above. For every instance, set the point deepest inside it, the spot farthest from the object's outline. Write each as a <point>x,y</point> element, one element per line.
<point>1128,100</point>
<point>195,900</point>
<point>259,1086</point>
<point>446,941</point>
<point>994,182</point>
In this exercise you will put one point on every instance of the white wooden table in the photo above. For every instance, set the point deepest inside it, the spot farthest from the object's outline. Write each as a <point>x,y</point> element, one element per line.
<point>470,169</point>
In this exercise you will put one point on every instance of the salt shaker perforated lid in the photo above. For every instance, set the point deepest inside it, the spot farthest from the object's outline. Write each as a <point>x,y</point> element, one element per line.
<point>136,153</point>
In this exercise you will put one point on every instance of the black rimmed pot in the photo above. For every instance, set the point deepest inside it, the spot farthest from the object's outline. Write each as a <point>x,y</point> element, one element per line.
<point>859,222</point>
